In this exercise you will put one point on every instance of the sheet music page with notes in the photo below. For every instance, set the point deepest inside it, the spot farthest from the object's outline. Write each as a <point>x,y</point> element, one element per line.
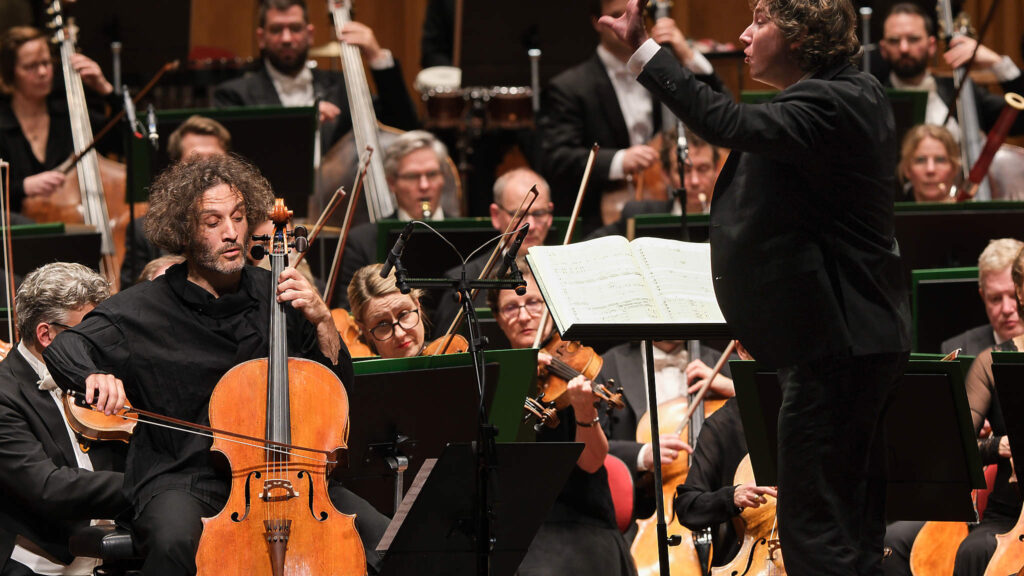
<point>611,281</point>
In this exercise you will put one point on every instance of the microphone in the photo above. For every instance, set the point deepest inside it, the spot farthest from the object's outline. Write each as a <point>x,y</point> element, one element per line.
<point>509,260</point>
<point>129,109</point>
<point>154,138</point>
<point>396,251</point>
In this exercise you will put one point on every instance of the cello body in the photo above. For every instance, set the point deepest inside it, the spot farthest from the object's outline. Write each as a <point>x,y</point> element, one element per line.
<point>760,553</point>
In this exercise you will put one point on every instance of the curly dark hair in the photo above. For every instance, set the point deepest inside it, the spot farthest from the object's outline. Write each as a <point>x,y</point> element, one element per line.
<point>825,29</point>
<point>175,195</point>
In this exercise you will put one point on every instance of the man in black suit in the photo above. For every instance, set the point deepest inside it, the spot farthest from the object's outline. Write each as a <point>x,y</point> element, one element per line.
<point>284,37</point>
<point>995,286</point>
<point>908,44</point>
<point>51,486</point>
<point>597,101</point>
<point>805,265</point>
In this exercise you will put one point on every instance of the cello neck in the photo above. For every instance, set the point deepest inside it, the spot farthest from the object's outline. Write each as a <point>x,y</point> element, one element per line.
<point>94,203</point>
<point>278,409</point>
<point>364,120</point>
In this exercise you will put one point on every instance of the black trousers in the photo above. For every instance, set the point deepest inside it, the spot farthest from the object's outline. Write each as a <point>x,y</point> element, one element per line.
<point>899,537</point>
<point>976,550</point>
<point>169,526</point>
<point>832,463</point>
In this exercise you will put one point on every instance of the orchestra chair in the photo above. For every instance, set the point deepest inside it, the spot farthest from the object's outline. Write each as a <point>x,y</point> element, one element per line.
<point>620,483</point>
<point>112,544</point>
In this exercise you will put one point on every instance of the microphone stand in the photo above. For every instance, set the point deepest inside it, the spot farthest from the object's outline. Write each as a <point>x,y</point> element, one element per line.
<point>486,479</point>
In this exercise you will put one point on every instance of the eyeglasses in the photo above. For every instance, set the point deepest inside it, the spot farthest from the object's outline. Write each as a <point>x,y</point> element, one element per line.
<point>407,319</point>
<point>432,175</point>
<point>534,307</point>
<point>536,214</point>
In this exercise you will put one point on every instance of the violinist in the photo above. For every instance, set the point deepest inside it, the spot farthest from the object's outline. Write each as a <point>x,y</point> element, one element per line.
<point>166,343</point>
<point>284,35</point>
<point>393,324</point>
<point>579,535</point>
<point>929,164</point>
<point>509,190</point>
<point>51,486</point>
<point>413,169</point>
<point>909,43</point>
<point>35,126</point>
<point>599,101</point>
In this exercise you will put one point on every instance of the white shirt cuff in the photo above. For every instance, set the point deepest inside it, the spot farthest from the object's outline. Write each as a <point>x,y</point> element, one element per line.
<point>645,449</point>
<point>1005,70</point>
<point>383,61</point>
<point>642,56</point>
<point>699,64</point>
<point>615,170</point>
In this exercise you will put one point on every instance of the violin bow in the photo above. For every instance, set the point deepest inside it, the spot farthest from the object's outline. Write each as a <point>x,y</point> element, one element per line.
<point>506,239</point>
<point>346,225</point>
<point>542,327</point>
<point>77,157</point>
<point>8,253</point>
<point>695,402</point>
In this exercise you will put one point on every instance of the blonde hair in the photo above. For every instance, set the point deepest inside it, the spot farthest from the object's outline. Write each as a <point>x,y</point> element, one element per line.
<point>914,137</point>
<point>998,256</point>
<point>367,284</point>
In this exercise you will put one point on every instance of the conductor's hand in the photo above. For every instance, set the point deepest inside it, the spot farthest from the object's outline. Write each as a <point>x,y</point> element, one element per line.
<point>750,495</point>
<point>361,35</point>
<point>108,392</point>
<point>44,183</point>
<point>328,111</point>
<point>630,26</point>
<point>671,448</point>
<point>960,50</point>
<point>667,32</point>
<point>294,288</point>
<point>638,158</point>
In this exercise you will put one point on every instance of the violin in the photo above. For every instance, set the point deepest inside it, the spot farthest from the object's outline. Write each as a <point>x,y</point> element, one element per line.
<point>279,518</point>
<point>568,360</point>
<point>91,425</point>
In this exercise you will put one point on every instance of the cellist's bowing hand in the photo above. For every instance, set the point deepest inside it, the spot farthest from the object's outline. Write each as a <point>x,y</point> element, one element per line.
<point>107,391</point>
<point>629,27</point>
<point>671,447</point>
<point>697,372</point>
<point>294,288</point>
<point>750,495</point>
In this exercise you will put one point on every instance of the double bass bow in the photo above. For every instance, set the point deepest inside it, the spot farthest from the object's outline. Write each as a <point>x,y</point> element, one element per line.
<point>279,518</point>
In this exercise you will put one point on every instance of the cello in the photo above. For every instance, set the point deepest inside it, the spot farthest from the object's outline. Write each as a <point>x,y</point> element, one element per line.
<point>760,553</point>
<point>279,519</point>
<point>98,181</point>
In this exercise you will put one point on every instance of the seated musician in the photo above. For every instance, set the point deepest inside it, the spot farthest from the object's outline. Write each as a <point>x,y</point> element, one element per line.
<point>413,167</point>
<point>392,324</point>
<point>509,190</point>
<point>51,485</point>
<point>158,266</point>
<point>1004,502</point>
<point>165,344</point>
<point>284,34</point>
<point>929,164</point>
<point>995,286</point>
<point>579,535</point>
<point>675,375</point>
<point>35,126</point>
<point>197,136</point>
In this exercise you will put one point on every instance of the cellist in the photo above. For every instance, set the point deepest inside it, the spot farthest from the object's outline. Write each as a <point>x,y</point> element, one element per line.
<point>166,343</point>
<point>35,129</point>
<point>51,485</point>
<point>579,535</point>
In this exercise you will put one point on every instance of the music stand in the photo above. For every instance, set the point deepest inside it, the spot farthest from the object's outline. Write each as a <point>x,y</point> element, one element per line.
<point>1008,372</point>
<point>933,454</point>
<point>934,320</point>
<point>434,533</point>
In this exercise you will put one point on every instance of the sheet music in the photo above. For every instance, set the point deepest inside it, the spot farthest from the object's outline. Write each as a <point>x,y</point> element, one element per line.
<point>679,273</point>
<point>597,281</point>
<point>407,501</point>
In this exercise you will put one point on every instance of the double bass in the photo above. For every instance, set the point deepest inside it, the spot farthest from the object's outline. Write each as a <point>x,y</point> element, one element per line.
<point>279,518</point>
<point>97,181</point>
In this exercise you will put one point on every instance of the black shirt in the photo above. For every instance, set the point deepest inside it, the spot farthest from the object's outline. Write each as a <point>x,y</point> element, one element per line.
<point>170,341</point>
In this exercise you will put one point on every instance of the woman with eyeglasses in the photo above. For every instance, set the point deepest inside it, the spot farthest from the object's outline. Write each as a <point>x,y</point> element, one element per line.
<point>580,535</point>
<point>392,323</point>
<point>929,163</point>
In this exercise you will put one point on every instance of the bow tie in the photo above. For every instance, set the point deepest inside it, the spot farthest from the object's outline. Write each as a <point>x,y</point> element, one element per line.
<point>46,384</point>
<point>671,361</point>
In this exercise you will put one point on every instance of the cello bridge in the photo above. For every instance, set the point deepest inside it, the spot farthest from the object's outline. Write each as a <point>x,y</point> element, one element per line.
<point>284,489</point>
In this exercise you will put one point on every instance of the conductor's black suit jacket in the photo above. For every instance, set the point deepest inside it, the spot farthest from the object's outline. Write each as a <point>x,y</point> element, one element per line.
<point>803,255</point>
<point>46,494</point>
